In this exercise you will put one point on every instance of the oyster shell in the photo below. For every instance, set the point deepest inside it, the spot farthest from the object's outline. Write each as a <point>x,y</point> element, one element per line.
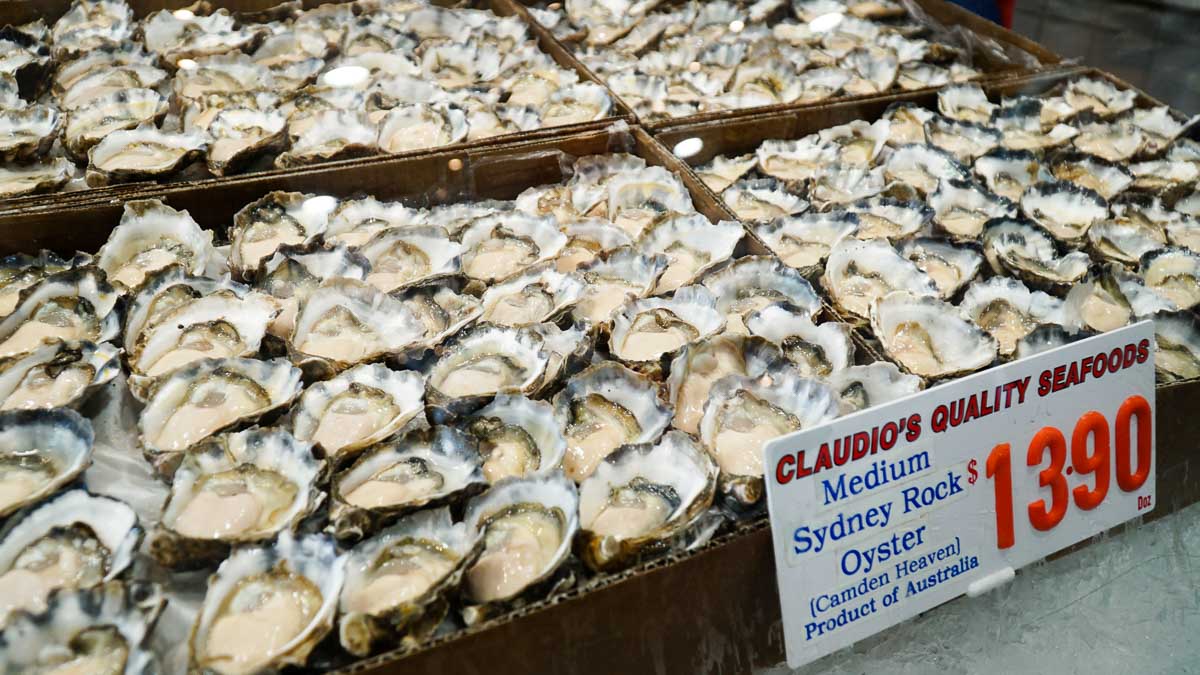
<point>604,407</point>
<point>796,160</point>
<point>641,498</point>
<point>906,123</point>
<point>1093,173</point>
<point>210,396</point>
<point>517,437</point>
<point>540,293</point>
<point>586,239</point>
<point>1028,252</point>
<point>806,240</point>
<point>177,36</point>
<point>1064,209</point>
<point>762,199</point>
<point>1098,96</point>
<point>240,135</point>
<point>397,582</point>
<point>930,338</point>
<point>278,219</point>
<point>344,322</point>
<point>56,375</point>
<point>861,387</point>
<point>648,330</point>
<point>1173,273</point>
<point>816,350</point>
<point>418,126</point>
<point>224,74</point>
<point>423,468</point>
<point>923,167</point>
<point>123,109</point>
<point>1161,175</point>
<point>1125,242</point>
<point>1111,297</point>
<point>961,208</point>
<point>20,271</point>
<point>442,308</point>
<point>413,255</point>
<point>361,406</point>
<point>743,414</point>
<point>1046,337</point>
<point>1008,310</point>
<point>268,607</point>
<point>496,247</point>
<point>751,283</point>
<point>528,526</point>
<point>91,539</point>
<point>951,266</point>
<point>482,362</point>
<point>693,245</point>
<point>1176,346</point>
<point>89,25</point>
<point>1116,142</point>
<point>699,364</point>
<point>329,135</point>
<point>234,489</point>
<point>614,277</point>
<point>45,176</point>
<point>41,452</point>
<point>140,154</point>
<point>965,103</point>
<point>76,304</point>
<point>152,236</point>
<point>889,218</point>
<point>724,171</point>
<point>643,198</point>
<point>966,141</point>
<point>858,272</point>
<point>27,133</point>
<point>1008,173</point>
<point>294,272</point>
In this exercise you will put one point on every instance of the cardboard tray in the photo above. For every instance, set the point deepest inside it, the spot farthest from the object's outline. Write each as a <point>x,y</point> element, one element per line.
<point>996,51</point>
<point>16,12</point>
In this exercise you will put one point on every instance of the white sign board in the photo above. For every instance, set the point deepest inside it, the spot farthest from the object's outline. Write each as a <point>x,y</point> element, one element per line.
<point>891,511</point>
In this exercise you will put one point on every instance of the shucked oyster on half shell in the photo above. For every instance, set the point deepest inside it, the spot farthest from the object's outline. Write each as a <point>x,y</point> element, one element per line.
<point>951,266</point>
<point>20,271</point>
<point>75,540</point>
<point>1109,298</point>
<point>816,350</point>
<point>73,305</point>
<point>1008,310</point>
<point>1176,346</point>
<point>1064,209</point>
<point>344,322</point>
<point>805,240</point>
<point>278,219</point>
<point>41,451</point>
<point>613,277</point>
<point>267,608</point>
<point>861,387</point>
<point>517,437</point>
<point>482,362</point>
<point>423,468</point>
<point>411,255</point>
<point>144,153</point>
<point>123,109</point>
<point>540,293</point>
<point>359,407</point>
<point>56,375</point>
<point>1026,251</point>
<point>240,135</point>
<point>102,629</point>
<point>744,413</point>
<point>24,180</point>
<point>150,237</point>
<point>207,397</point>
<point>641,498</point>
<point>692,244</point>
<point>1173,273</point>
<point>397,582</point>
<point>648,330</point>
<point>858,272</point>
<point>961,208</point>
<point>27,133</point>
<point>930,338</point>
<point>176,36</point>
<point>702,363</point>
<point>496,247</point>
<point>527,525</point>
<point>235,489</point>
<point>294,272</point>
<point>329,135</point>
<point>753,282</point>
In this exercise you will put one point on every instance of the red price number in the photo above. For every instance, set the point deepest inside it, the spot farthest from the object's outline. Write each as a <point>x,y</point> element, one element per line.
<point>1090,451</point>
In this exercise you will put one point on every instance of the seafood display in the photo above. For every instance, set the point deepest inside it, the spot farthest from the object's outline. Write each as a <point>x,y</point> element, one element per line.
<point>101,97</point>
<point>670,60</point>
<point>984,230</point>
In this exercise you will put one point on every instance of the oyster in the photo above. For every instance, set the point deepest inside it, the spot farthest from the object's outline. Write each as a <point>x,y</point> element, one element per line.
<point>240,135</point>
<point>403,257</point>
<point>1111,297</point>
<point>693,245</point>
<point>838,184</point>
<point>108,79</point>
<point>540,293</point>
<point>1098,96</point>
<point>1176,346</point>
<point>398,581</point>
<point>751,283</point>
<point>140,154</point>
<point>1162,175</point>
<point>103,629</point>
<point>1048,336</point>
<point>1125,242</point>
<point>861,387</point>
<point>906,123</point>
<point>41,451</point>
<point>816,350</point>
<point>762,199</point>
<point>643,198</point>
<point>76,304</point>
<point>857,143</point>
<point>724,171</point>
<point>647,330</point>
<point>361,406</point>
<point>1174,274</point>
<point>279,218</point>
<point>702,363</point>
<point>176,36</point>
<point>152,236</point>
<point>222,75</point>
<point>604,407</point>
<point>1116,142</point>
<point>517,437</point>
<point>496,247</point>
<point>643,497</point>
<point>442,308</point>
<point>123,109</point>
<point>889,218</point>
<point>20,271</point>
<point>1008,311</point>
<point>961,208</point>
<point>418,126</point>
<point>24,180</point>
<point>267,608</point>
<point>965,103</point>
<point>1093,173</point>
<point>966,141</point>
<point>75,540</point>
<point>614,277</point>
<point>858,272</point>
<point>1160,126</point>
<point>796,160</point>
<point>294,272</point>
<point>482,362</point>
<point>586,239</point>
<point>923,167</point>
<point>1184,232</point>
<point>27,133</point>
<point>56,375</point>
<point>344,322</point>
<point>528,526</point>
<point>1028,252</point>
<point>1008,173</point>
<point>235,489</point>
<point>951,266</point>
<point>930,338</point>
<point>90,25</point>
<point>329,135</point>
<point>210,396</point>
<point>806,240</point>
<point>423,468</point>
<point>743,414</point>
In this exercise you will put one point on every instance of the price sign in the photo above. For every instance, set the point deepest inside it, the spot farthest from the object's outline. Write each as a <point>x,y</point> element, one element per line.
<point>886,513</point>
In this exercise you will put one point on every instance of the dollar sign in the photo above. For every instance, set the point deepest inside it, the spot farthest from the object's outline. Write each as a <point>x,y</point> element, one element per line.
<point>971,470</point>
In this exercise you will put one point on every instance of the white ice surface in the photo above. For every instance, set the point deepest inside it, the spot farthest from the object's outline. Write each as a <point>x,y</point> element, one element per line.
<point>1129,603</point>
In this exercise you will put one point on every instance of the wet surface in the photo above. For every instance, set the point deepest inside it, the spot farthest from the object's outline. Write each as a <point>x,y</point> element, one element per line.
<point>1149,46</point>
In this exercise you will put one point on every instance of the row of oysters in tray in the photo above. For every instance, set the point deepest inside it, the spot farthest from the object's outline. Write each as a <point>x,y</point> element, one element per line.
<point>378,421</point>
<point>676,59</point>
<point>142,100</point>
<point>989,230</point>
